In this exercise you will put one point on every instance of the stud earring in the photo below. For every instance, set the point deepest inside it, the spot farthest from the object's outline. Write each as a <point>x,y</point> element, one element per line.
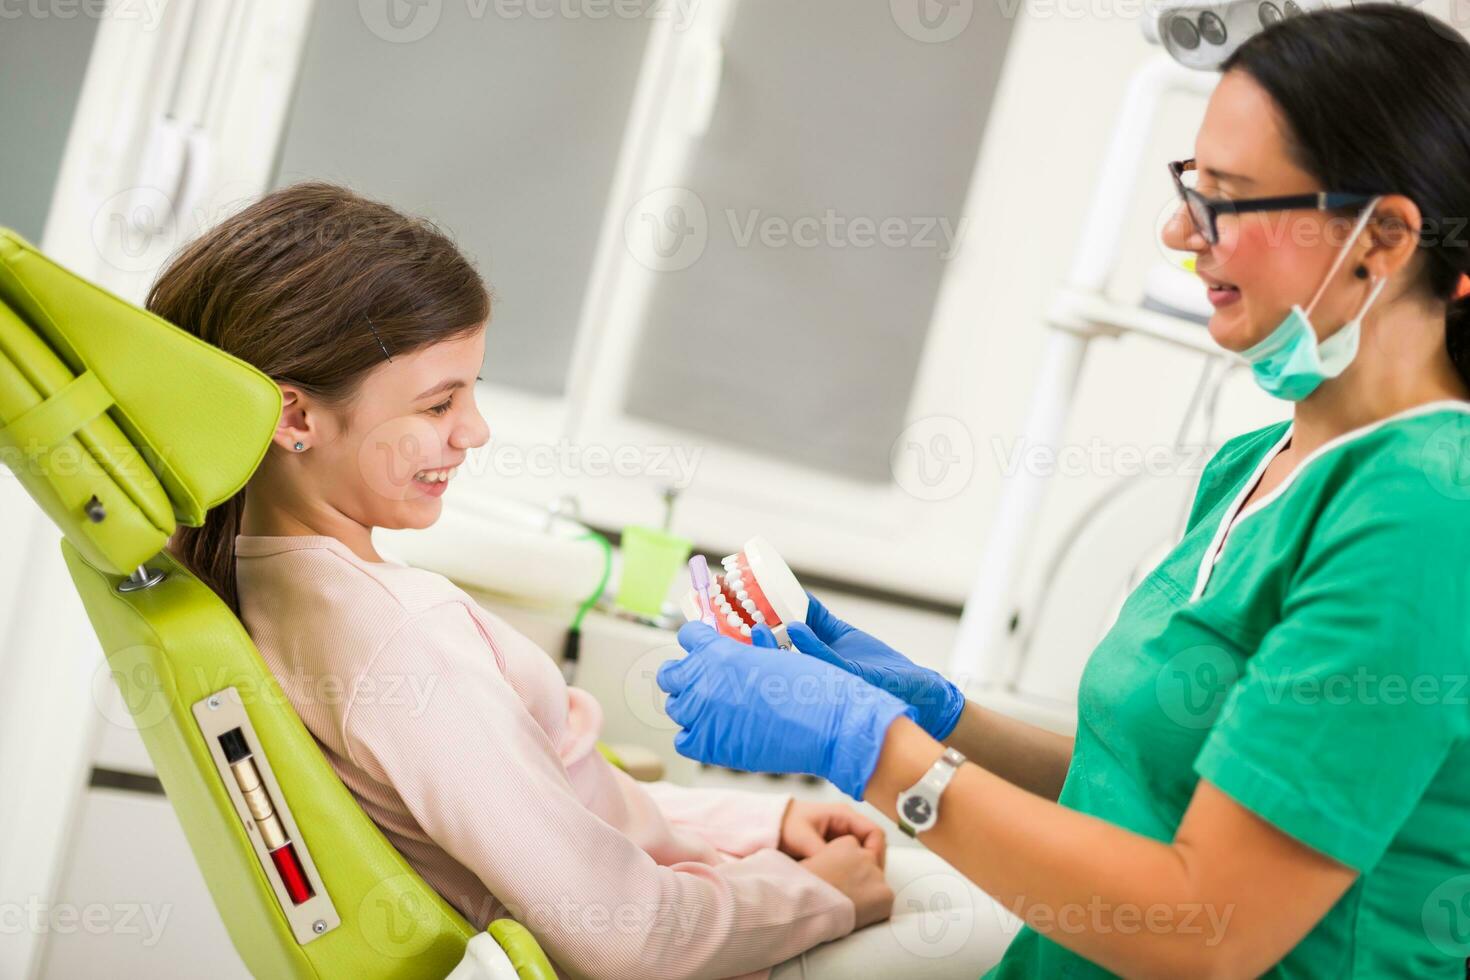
<point>300,446</point>
<point>1361,272</point>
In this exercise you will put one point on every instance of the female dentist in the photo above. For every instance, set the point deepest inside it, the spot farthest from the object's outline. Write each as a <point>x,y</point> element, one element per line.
<point>1271,771</point>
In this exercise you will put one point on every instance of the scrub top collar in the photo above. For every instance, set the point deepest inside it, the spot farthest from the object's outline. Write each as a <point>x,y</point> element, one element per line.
<point>1234,516</point>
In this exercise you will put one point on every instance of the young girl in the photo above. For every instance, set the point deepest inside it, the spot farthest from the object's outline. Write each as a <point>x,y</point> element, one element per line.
<point>456,734</point>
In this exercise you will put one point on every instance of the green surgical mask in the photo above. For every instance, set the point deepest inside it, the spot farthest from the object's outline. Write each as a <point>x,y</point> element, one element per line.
<point>1291,362</point>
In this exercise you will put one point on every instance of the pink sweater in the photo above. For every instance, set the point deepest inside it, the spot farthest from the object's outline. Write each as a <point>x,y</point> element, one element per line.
<point>462,742</point>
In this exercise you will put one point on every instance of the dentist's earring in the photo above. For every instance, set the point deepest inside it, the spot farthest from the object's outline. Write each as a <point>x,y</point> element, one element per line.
<point>299,446</point>
<point>1361,272</point>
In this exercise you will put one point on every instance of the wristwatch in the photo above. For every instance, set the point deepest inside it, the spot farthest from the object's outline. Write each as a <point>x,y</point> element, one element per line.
<point>918,806</point>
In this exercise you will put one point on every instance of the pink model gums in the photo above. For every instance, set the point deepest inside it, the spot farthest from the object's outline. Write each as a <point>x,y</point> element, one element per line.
<point>755,588</point>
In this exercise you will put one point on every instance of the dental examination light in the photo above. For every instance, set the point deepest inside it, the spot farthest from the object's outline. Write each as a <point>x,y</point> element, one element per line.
<point>1202,33</point>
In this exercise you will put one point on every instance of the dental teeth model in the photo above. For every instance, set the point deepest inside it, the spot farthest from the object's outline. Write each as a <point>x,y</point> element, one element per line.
<point>755,587</point>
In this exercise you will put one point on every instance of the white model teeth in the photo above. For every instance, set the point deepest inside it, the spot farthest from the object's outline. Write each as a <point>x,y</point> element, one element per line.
<point>749,605</point>
<point>733,620</point>
<point>728,561</point>
<point>742,595</point>
<point>758,616</point>
<point>436,476</point>
<point>745,631</point>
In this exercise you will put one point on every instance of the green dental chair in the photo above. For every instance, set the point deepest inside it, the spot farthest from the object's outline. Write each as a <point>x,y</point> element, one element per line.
<point>120,425</point>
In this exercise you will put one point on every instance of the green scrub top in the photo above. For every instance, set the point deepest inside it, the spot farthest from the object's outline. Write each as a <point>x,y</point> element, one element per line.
<point>1311,662</point>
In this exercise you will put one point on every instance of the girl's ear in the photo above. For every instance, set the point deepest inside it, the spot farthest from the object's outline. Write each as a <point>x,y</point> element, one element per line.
<point>294,429</point>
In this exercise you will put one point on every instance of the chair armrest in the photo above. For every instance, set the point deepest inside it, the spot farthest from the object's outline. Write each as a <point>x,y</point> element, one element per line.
<point>506,950</point>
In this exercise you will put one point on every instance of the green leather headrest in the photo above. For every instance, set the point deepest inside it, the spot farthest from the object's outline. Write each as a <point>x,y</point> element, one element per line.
<point>119,424</point>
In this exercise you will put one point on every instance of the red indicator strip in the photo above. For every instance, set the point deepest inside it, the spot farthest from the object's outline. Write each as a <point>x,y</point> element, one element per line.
<point>293,876</point>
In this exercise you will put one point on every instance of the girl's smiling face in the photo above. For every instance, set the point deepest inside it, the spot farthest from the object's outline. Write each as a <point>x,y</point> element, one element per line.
<point>384,459</point>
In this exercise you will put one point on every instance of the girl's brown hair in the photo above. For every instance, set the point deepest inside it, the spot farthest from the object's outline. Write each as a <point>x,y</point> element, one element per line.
<point>315,286</point>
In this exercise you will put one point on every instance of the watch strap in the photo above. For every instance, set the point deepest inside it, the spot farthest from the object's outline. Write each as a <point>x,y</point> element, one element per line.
<point>929,788</point>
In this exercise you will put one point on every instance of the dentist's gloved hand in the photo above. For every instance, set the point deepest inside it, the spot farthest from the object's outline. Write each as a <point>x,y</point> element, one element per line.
<point>938,703</point>
<point>763,711</point>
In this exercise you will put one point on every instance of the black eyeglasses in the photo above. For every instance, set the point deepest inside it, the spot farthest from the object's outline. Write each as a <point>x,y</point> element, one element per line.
<point>1204,210</point>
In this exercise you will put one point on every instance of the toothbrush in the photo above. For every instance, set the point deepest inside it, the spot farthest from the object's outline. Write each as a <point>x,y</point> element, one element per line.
<point>699,578</point>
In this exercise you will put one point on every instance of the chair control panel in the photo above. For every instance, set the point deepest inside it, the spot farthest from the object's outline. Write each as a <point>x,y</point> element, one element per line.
<point>261,806</point>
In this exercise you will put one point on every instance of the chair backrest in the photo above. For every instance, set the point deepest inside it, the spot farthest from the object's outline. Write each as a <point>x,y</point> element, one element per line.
<point>122,426</point>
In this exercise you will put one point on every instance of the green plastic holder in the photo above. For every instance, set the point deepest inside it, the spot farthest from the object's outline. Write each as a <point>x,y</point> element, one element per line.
<point>651,561</point>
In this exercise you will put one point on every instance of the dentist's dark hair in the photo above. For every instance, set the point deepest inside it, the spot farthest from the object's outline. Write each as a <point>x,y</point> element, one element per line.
<point>1376,98</point>
<point>296,284</point>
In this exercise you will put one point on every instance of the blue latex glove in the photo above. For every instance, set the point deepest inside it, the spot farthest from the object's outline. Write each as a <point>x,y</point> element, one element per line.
<point>764,711</point>
<point>938,703</point>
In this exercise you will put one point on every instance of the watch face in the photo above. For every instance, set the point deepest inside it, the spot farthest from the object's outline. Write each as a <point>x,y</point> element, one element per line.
<point>917,810</point>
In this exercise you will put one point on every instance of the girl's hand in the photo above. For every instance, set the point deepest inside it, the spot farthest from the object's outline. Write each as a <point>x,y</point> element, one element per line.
<point>807,827</point>
<point>938,703</point>
<point>848,867</point>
